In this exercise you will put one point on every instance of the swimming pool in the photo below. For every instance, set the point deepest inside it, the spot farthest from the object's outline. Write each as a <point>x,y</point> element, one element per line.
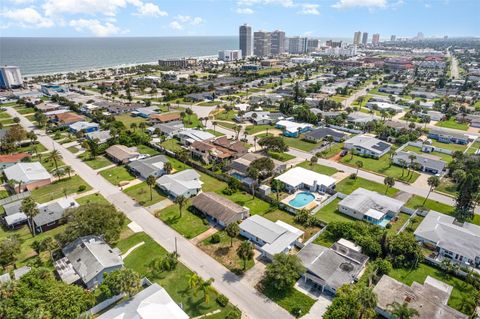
<point>384,222</point>
<point>301,199</point>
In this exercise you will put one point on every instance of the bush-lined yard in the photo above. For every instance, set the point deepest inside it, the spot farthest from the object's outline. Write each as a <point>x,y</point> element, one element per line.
<point>348,185</point>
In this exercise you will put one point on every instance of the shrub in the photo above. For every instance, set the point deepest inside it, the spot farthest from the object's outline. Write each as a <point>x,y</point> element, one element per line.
<point>215,239</point>
<point>296,312</point>
<point>81,188</point>
<point>388,226</point>
<point>234,314</point>
<point>353,176</point>
<point>222,300</point>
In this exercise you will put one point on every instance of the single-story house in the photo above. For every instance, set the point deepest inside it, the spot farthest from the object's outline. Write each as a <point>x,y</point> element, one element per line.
<point>219,209</point>
<point>427,163</point>
<point>82,126</point>
<point>240,165</point>
<point>293,129</point>
<point>186,183</point>
<point>47,107</point>
<point>8,160</point>
<point>152,302</point>
<point>319,134</point>
<point>32,175</point>
<point>269,237</point>
<point>100,136</point>
<point>330,268</point>
<point>299,178</point>
<point>444,136</point>
<point>150,166</point>
<point>472,119</point>
<point>145,112</point>
<point>360,118</point>
<point>14,216</point>
<point>384,106</point>
<point>66,118</point>
<point>260,117</point>
<point>370,206</point>
<point>428,299</point>
<point>169,129</point>
<point>86,260</point>
<point>122,154</point>
<point>456,241</point>
<point>50,214</point>
<point>165,118</point>
<point>189,136</point>
<point>199,97</point>
<point>365,145</point>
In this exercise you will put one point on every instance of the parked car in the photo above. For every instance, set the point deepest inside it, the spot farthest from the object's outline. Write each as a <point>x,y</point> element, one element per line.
<point>343,153</point>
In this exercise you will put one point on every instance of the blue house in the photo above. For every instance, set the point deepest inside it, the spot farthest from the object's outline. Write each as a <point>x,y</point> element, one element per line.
<point>293,129</point>
<point>81,126</point>
<point>448,137</point>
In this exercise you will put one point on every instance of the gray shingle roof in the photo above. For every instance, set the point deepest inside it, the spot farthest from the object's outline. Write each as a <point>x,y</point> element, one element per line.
<point>423,159</point>
<point>181,182</point>
<point>362,200</point>
<point>52,212</point>
<point>323,132</point>
<point>219,207</point>
<point>148,166</point>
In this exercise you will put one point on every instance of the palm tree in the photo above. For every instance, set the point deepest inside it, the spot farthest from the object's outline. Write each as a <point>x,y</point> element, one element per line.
<point>180,201</point>
<point>278,186</point>
<point>167,167</point>
<point>55,156</point>
<point>402,163</point>
<point>91,146</point>
<point>245,252</point>
<point>151,183</point>
<point>359,165</point>
<point>255,142</point>
<point>133,126</point>
<point>389,182</point>
<point>367,301</point>
<point>194,282</point>
<point>402,311</point>
<point>313,160</point>
<point>412,158</point>
<point>232,230</point>
<point>59,173</point>
<point>68,170</point>
<point>433,182</point>
<point>29,207</point>
<point>214,123</point>
<point>206,288</point>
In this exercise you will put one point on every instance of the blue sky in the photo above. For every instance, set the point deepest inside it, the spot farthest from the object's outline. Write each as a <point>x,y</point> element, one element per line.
<point>322,18</point>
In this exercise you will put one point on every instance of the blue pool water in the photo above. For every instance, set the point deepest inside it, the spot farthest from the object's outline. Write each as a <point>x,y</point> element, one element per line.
<point>301,199</point>
<point>385,221</point>
<point>238,176</point>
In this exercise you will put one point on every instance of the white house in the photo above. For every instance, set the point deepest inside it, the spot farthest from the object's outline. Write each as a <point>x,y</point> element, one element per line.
<point>300,178</point>
<point>186,183</point>
<point>365,145</point>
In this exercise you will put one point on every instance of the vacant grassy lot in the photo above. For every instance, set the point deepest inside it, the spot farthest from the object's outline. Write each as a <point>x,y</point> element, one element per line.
<point>172,145</point>
<point>381,166</point>
<point>144,149</point>
<point>127,119</point>
<point>348,185</point>
<point>141,194</point>
<point>175,282</point>
<point>321,169</point>
<point>452,123</point>
<point>290,299</point>
<point>447,186</point>
<point>282,157</point>
<point>253,129</point>
<point>117,174</point>
<point>461,292</point>
<point>57,189</point>
<point>330,213</point>
<point>396,225</point>
<point>225,116</point>
<point>227,125</point>
<point>187,224</point>
<point>97,162</point>
<point>300,144</point>
<point>332,150</point>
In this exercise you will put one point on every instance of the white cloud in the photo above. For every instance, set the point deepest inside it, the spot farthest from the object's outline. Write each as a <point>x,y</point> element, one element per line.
<point>150,9</point>
<point>345,4</point>
<point>245,11</point>
<point>27,18</point>
<point>428,6</point>
<point>284,3</point>
<point>105,7</point>
<point>309,8</point>
<point>181,21</point>
<point>95,27</point>
<point>22,1</point>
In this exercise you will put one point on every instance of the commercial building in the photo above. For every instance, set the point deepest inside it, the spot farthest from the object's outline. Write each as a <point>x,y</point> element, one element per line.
<point>333,44</point>
<point>393,38</point>
<point>375,39</point>
<point>297,45</point>
<point>357,37</point>
<point>277,42</point>
<point>245,39</point>
<point>451,240</point>
<point>178,63</point>
<point>370,206</point>
<point>269,237</point>
<point>262,44</point>
<point>313,45</point>
<point>428,299</point>
<point>10,77</point>
<point>365,38</point>
<point>230,55</point>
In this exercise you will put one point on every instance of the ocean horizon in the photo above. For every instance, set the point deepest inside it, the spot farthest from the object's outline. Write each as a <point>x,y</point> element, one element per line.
<point>42,55</point>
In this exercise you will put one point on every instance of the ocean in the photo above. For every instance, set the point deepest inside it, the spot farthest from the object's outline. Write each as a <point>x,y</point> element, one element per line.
<point>37,56</point>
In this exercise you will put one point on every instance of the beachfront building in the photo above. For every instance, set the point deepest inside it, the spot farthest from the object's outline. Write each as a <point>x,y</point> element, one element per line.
<point>10,77</point>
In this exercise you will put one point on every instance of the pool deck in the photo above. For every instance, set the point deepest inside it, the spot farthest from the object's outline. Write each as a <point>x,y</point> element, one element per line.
<point>314,203</point>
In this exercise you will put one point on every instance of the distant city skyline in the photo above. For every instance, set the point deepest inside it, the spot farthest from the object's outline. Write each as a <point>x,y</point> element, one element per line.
<point>329,18</point>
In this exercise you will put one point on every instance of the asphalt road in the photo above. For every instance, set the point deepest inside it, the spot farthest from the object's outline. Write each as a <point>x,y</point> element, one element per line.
<point>240,293</point>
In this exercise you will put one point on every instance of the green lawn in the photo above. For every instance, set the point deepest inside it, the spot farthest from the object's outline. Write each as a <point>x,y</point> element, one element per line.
<point>332,150</point>
<point>282,157</point>
<point>461,292</point>
<point>330,213</point>
<point>290,300</point>
<point>144,149</point>
<point>452,123</point>
<point>189,224</point>
<point>396,225</point>
<point>225,116</point>
<point>444,157</point>
<point>57,189</point>
<point>300,144</point>
<point>289,219</point>
<point>48,163</point>
<point>96,198</point>
<point>117,174</point>
<point>348,185</point>
<point>192,121</point>
<point>227,125</point>
<point>224,253</point>
<point>216,133</point>
<point>475,147</point>
<point>25,110</point>
<point>417,202</point>
<point>321,169</point>
<point>97,162</point>
<point>28,148</point>
<point>73,149</point>
<point>175,282</point>
<point>141,194</point>
<point>177,165</point>
<point>381,166</point>
<point>172,145</point>
<point>209,103</point>
<point>253,129</point>
<point>447,186</point>
<point>450,146</point>
<point>127,119</point>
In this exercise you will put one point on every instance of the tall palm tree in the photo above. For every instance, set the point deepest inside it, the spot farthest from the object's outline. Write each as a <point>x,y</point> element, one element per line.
<point>180,201</point>
<point>367,301</point>
<point>29,208</point>
<point>359,165</point>
<point>68,170</point>
<point>402,311</point>
<point>278,186</point>
<point>55,156</point>
<point>245,252</point>
<point>167,167</point>
<point>194,282</point>
<point>206,288</point>
<point>433,182</point>
<point>389,182</point>
<point>214,123</point>
<point>151,183</point>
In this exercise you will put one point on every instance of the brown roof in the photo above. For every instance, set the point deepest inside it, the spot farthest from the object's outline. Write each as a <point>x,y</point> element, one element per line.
<point>219,207</point>
<point>235,146</point>
<point>13,158</point>
<point>68,117</point>
<point>121,152</point>
<point>163,118</point>
<point>202,146</point>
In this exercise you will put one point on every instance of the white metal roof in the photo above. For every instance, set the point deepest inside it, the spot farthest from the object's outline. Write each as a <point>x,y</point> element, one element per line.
<point>27,172</point>
<point>299,175</point>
